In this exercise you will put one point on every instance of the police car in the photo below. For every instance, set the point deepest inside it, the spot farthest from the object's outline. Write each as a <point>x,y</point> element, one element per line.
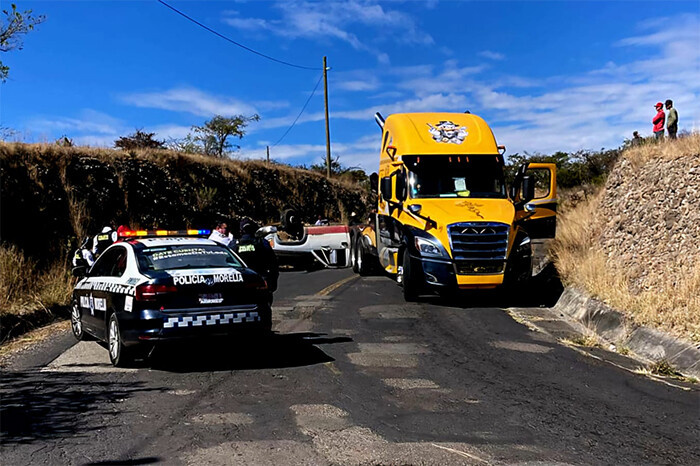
<point>155,286</point>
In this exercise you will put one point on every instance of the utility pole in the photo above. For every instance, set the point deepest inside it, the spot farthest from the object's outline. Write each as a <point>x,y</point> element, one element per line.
<point>328,130</point>
<point>268,155</point>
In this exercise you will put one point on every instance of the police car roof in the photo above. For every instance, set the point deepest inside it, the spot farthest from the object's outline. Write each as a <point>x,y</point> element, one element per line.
<point>175,241</point>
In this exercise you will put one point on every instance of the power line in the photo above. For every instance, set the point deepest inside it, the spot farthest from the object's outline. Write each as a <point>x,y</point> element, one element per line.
<point>302,111</point>
<point>234,42</point>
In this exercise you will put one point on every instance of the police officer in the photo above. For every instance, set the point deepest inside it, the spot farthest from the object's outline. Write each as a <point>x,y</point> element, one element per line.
<point>257,253</point>
<point>82,257</point>
<point>103,240</point>
<point>220,234</point>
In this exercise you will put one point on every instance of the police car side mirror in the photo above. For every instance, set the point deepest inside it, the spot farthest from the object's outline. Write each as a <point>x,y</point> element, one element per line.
<point>264,231</point>
<point>80,271</point>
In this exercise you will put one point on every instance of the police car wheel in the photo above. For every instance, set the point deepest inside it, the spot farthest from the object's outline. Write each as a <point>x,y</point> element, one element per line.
<point>76,323</point>
<point>118,354</point>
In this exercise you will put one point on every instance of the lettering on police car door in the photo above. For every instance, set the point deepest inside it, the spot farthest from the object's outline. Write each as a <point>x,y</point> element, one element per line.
<point>116,288</point>
<point>230,277</point>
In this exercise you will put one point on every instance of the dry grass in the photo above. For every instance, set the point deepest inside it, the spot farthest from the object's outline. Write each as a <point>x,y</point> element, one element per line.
<point>666,149</point>
<point>589,340</point>
<point>673,304</point>
<point>31,338</point>
<point>665,369</point>
<point>24,287</point>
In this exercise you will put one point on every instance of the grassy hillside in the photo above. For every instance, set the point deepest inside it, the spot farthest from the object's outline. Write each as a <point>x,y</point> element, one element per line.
<point>51,194</point>
<point>636,245</point>
<point>51,197</point>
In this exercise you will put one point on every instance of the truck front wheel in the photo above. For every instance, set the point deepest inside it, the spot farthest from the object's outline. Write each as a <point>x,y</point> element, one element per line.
<point>411,284</point>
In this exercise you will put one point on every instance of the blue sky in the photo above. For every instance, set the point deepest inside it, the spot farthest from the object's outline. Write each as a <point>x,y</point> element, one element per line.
<point>547,75</point>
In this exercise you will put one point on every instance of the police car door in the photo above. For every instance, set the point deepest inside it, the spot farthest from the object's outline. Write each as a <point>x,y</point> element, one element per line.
<point>103,289</point>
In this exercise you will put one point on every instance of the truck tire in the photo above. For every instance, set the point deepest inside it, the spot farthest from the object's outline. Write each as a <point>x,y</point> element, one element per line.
<point>411,285</point>
<point>364,267</point>
<point>353,254</point>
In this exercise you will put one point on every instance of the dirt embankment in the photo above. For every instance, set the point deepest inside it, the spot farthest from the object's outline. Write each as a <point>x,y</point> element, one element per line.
<point>51,194</point>
<point>637,244</point>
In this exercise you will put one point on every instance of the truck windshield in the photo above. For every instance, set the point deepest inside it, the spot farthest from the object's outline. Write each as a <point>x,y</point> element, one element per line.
<point>475,176</point>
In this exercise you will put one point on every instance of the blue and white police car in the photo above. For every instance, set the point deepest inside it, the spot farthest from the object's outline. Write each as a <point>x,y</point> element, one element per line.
<point>154,286</point>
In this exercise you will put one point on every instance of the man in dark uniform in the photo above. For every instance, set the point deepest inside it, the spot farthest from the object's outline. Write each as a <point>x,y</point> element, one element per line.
<point>82,257</point>
<point>103,240</point>
<point>257,253</point>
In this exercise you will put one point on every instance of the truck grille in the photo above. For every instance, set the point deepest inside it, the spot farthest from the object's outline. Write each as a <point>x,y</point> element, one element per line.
<point>479,247</point>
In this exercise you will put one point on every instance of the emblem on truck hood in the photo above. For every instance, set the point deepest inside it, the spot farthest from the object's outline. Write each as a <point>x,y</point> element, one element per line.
<point>448,132</point>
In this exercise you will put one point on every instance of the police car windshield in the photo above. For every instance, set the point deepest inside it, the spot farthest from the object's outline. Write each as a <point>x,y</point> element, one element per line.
<point>186,257</point>
<point>441,176</point>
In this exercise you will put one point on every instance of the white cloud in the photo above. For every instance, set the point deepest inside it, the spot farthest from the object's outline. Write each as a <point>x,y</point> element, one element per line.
<point>168,132</point>
<point>89,121</point>
<point>332,19</point>
<point>492,55</point>
<point>369,84</point>
<point>190,100</point>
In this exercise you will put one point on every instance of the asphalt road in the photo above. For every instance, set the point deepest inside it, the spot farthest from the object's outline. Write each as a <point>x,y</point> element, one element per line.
<point>353,376</point>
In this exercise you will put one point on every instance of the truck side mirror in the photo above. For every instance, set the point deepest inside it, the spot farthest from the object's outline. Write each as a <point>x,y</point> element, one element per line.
<point>385,188</point>
<point>80,271</point>
<point>528,188</point>
<point>401,187</point>
<point>373,182</point>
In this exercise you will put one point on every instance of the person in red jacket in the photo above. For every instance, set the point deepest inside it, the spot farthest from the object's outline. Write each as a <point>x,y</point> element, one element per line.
<point>659,121</point>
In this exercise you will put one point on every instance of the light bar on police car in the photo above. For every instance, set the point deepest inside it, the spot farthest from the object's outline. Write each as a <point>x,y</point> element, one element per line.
<point>151,233</point>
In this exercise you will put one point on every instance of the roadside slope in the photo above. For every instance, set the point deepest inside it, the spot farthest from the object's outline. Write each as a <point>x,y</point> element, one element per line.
<point>636,246</point>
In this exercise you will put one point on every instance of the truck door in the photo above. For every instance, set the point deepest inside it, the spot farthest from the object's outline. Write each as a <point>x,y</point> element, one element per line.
<point>540,214</point>
<point>388,237</point>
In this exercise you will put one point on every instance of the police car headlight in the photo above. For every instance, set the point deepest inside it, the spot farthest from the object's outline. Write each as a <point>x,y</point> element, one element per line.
<point>427,247</point>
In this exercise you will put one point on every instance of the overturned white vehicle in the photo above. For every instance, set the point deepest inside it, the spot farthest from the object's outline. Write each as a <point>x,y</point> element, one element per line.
<point>296,244</point>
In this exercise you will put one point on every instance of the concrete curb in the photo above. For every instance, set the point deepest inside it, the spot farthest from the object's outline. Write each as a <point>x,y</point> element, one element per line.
<point>613,326</point>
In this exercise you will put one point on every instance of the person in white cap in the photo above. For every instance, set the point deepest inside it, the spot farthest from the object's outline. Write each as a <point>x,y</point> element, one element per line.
<point>103,240</point>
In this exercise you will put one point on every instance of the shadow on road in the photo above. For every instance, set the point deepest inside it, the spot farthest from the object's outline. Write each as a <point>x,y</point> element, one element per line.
<point>131,462</point>
<point>274,352</point>
<point>36,407</point>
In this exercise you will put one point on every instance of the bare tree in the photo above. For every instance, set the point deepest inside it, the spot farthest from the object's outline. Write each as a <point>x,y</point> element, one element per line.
<point>14,26</point>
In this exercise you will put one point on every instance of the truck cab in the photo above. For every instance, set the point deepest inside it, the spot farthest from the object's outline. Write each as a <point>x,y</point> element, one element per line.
<point>445,217</point>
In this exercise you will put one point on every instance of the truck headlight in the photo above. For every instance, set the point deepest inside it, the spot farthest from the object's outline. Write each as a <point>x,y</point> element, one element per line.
<point>525,242</point>
<point>427,247</point>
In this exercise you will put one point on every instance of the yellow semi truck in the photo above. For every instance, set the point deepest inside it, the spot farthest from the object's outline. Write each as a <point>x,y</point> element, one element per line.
<point>445,219</point>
